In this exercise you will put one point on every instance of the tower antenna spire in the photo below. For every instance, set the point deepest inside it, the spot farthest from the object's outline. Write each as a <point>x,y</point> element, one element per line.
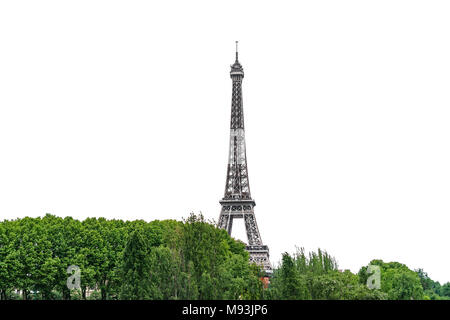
<point>237,50</point>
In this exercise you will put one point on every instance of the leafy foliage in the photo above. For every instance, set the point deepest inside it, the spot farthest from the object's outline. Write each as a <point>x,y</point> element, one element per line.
<point>316,276</point>
<point>124,260</point>
<point>397,280</point>
<point>433,289</point>
<point>176,260</point>
<point>136,269</point>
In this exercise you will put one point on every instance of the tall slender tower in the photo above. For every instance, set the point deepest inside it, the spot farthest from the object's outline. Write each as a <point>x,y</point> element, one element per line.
<point>237,201</point>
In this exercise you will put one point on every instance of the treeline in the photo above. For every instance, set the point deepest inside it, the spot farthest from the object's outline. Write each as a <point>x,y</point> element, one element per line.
<point>123,260</point>
<point>175,260</point>
<point>316,276</point>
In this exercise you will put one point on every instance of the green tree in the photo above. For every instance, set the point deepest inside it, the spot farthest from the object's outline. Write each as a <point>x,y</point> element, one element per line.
<point>10,265</point>
<point>397,280</point>
<point>292,284</point>
<point>445,290</point>
<point>316,276</point>
<point>432,289</point>
<point>136,269</point>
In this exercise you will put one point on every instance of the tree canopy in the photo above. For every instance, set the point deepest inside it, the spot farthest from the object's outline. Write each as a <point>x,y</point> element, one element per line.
<point>190,259</point>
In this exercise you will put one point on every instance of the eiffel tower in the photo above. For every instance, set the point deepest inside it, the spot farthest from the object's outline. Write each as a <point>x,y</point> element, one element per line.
<point>237,201</point>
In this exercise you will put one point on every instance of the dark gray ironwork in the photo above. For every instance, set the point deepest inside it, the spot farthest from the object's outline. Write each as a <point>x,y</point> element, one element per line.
<point>237,201</point>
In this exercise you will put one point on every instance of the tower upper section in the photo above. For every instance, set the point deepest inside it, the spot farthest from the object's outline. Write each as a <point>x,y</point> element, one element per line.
<point>237,72</point>
<point>237,184</point>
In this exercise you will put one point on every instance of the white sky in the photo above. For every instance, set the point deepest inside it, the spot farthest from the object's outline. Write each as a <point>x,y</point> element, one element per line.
<point>120,109</point>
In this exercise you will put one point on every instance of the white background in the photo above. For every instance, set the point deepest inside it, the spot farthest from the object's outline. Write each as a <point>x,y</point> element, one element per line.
<point>121,109</point>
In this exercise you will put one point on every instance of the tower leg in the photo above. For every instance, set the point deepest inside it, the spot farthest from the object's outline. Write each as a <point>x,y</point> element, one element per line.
<point>223,223</point>
<point>258,252</point>
<point>252,229</point>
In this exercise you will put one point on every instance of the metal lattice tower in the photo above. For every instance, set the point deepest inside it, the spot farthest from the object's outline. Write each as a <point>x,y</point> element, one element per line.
<point>237,201</point>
